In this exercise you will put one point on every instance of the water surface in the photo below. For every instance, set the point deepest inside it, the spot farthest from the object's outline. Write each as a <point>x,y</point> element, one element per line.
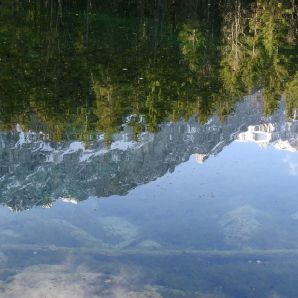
<point>148,149</point>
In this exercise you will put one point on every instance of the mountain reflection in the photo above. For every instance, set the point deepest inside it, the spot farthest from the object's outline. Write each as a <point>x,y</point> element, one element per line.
<point>97,99</point>
<point>37,171</point>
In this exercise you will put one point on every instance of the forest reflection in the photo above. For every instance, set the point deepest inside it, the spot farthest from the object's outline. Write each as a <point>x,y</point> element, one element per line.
<point>76,68</point>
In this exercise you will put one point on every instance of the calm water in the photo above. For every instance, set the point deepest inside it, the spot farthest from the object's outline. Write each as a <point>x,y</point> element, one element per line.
<point>148,149</point>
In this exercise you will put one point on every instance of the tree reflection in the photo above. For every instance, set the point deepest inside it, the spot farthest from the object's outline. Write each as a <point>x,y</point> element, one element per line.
<point>73,68</point>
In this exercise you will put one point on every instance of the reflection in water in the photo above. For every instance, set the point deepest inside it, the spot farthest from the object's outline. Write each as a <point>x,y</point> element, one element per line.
<point>71,72</point>
<point>146,102</point>
<point>212,219</point>
<point>35,168</point>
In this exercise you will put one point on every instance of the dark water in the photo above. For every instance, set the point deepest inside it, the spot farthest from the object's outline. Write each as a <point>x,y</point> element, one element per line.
<point>148,149</point>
